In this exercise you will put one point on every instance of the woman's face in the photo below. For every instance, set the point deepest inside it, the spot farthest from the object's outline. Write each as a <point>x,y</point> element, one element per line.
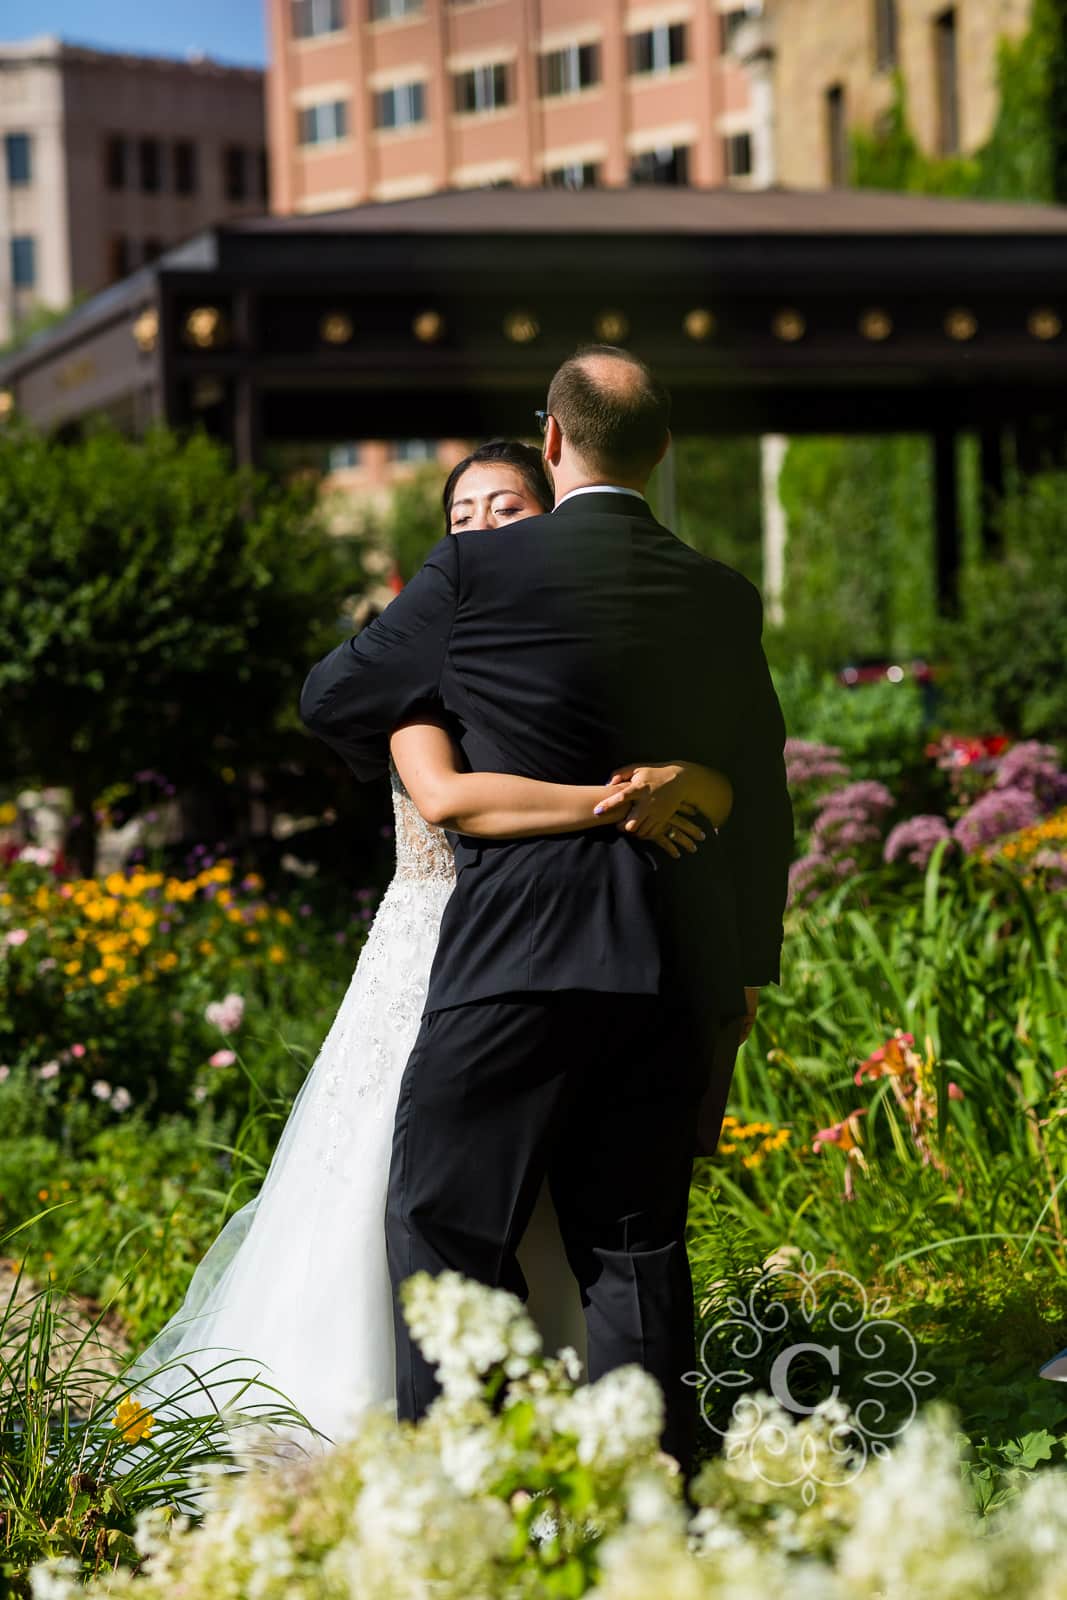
<point>490,494</point>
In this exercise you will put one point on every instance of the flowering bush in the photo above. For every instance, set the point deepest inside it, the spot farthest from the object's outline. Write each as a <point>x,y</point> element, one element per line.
<point>518,1483</point>
<point>123,988</point>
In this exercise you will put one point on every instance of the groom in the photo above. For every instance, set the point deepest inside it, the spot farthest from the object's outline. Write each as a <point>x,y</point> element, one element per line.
<point>583,983</point>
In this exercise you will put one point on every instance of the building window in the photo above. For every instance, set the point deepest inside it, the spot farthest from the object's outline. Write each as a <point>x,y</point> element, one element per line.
<point>118,257</point>
<point>669,165</point>
<point>948,83</point>
<point>115,161</point>
<point>737,155</point>
<point>483,88</point>
<point>262,174</point>
<point>185,174</point>
<point>151,249</point>
<point>322,124</point>
<point>18,151</point>
<point>340,456</point>
<point>415,450</point>
<point>570,70</point>
<point>150,165</point>
<point>729,24</point>
<point>885,35</point>
<point>836,136</point>
<point>659,49</point>
<point>234,173</point>
<point>23,261</point>
<point>401,106</point>
<point>393,10</point>
<point>579,175</point>
<point>314,17</point>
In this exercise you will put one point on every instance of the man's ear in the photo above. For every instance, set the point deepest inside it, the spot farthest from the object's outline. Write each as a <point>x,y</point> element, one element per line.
<point>553,445</point>
<point>667,440</point>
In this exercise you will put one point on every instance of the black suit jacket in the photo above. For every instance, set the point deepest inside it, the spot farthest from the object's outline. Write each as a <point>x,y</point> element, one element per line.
<point>558,649</point>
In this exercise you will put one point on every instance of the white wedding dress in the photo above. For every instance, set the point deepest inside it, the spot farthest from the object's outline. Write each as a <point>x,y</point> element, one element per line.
<point>296,1285</point>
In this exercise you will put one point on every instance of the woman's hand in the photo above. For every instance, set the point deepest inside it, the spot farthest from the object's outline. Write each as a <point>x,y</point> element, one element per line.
<point>647,803</point>
<point>659,791</point>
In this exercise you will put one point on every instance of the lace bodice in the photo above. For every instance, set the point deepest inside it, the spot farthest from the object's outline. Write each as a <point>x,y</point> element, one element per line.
<point>422,851</point>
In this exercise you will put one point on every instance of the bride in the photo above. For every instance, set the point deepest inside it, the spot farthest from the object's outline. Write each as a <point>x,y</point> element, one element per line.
<point>297,1281</point>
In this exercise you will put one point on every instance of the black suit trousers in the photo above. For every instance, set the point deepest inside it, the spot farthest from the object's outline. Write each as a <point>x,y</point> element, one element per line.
<point>600,1092</point>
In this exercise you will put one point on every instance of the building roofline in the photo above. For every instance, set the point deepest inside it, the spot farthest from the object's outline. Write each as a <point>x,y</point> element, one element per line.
<point>52,48</point>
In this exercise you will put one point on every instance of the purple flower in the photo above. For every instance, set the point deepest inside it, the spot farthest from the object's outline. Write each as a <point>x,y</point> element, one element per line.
<point>916,839</point>
<point>1034,767</point>
<point>809,763</point>
<point>1054,863</point>
<point>995,814</point>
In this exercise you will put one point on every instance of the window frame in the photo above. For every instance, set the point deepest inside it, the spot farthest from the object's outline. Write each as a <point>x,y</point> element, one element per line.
<point>334,9</point>
<point>680,156</point>
<point>23,250</point>
<point>670,33</point>
<point>587,54</point>
<point>308,117</point>
<point>415,91</point>
<point>500,73</point>
<point>583,167</point>
<point>17,139</point>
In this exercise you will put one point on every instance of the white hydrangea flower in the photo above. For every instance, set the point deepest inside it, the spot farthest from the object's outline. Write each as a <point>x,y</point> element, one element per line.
<point>465,1330</point>
<point>618,1417</point>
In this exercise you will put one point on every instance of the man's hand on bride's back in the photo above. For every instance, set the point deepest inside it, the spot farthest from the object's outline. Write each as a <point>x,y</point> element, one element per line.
<point>648,802</point>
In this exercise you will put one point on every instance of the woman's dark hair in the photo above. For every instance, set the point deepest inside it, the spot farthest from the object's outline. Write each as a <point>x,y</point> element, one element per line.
<point>523,457</point>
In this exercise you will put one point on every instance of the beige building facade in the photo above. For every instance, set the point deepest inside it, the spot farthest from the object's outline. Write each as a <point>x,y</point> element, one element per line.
<point>387,99</point>
<point>108,159</point>
<point>835,64</point>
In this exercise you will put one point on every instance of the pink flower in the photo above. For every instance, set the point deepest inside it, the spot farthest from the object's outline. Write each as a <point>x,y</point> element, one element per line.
<point>49,1070</point>
<point>16,936</point>
<point>121,1099</point>
<point>77,1051</point>
<point>916,839</point>
<point>226,1014</point>
<point>222,1058</point>
<point>102,1089</point>
<point>5,1073</point>
<point>955,1092</point>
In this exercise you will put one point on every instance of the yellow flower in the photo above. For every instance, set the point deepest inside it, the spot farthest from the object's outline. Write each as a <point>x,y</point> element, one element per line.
<point>206,948</point>
<point>233,915</point>
<point>133,1421</point>
<point>72,967</point>
<point>8,814</point>
<point>98,975</point>
<point>168,961</point>
<point>284,917</point>
<point>252,937</point>
<point>42,1194</point>
<point>276,953</point>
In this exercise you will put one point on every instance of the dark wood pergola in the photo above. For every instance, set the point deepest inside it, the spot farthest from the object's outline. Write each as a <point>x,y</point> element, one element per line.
<point>774,311</point>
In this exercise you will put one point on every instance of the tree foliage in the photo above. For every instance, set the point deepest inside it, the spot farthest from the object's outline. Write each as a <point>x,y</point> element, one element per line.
<point>158,610</point>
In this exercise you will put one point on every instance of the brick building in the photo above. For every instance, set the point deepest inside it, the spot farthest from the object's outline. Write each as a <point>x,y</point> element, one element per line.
<point>833,65</point>
<point>387,99</point>
<point>107,159</point>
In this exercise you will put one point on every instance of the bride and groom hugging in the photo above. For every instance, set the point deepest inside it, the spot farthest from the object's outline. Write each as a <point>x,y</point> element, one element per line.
<point>541,1029</point>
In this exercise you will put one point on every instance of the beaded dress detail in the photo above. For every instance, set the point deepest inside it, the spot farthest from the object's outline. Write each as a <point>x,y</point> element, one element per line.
<point>297,1281</point>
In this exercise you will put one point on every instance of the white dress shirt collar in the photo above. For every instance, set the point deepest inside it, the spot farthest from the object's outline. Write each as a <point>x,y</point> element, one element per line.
<point>597,488</point>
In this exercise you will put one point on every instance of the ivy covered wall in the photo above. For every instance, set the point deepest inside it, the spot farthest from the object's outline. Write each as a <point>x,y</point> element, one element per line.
<point>860,561</point>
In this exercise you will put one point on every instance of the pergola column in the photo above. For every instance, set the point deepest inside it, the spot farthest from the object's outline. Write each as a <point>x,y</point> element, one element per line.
<point>947,520</point>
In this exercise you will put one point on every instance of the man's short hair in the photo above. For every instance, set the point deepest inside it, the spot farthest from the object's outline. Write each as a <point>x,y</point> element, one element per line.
<point>616,428</point>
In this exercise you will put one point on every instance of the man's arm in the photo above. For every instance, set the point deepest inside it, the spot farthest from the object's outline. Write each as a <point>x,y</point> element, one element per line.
<point>757,839</point>
<point>357,695</point>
